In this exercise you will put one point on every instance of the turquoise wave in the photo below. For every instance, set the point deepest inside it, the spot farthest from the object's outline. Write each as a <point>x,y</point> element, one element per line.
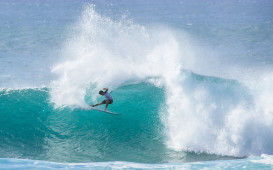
<point>31,128</point>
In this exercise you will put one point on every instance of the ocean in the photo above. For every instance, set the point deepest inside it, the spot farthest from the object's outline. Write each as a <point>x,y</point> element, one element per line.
<point>192,80</point>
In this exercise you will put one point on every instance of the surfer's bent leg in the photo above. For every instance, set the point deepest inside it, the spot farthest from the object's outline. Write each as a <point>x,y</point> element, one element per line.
<point>107,102</point>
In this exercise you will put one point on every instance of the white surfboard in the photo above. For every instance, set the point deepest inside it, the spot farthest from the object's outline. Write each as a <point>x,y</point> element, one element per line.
<point>93,108</point>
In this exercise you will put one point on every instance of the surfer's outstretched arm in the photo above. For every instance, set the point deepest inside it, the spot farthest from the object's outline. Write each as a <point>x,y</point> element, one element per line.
<point>96,104</point>
<point>106,89</point>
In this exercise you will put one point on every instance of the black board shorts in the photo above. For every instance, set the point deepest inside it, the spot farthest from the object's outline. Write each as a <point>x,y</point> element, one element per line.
<point>109,101</point>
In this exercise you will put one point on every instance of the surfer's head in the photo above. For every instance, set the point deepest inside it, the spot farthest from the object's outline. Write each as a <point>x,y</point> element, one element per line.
<point>101,92</point>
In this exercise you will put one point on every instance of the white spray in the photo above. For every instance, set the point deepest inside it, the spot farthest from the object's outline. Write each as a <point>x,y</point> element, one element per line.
<point>101,52</point>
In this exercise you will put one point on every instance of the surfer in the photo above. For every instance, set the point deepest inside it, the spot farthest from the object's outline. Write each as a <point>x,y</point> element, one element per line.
<point>108,98</point>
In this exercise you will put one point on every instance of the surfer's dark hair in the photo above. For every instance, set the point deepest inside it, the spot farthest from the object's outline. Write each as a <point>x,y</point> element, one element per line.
<point>101,92</point>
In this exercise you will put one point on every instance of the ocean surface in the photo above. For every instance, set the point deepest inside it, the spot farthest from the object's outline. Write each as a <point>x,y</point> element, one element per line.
<point>192,79</point>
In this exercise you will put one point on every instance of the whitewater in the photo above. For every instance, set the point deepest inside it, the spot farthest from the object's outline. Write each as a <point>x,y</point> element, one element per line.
<point>195,91</point>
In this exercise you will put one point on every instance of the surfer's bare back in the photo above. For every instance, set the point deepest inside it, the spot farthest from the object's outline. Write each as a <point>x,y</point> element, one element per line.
<point>108,98</point>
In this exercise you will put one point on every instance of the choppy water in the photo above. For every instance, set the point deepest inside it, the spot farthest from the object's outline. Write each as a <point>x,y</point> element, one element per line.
<point>192,80</point>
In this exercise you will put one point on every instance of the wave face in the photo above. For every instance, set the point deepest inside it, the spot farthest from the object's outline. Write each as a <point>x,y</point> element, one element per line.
<point>32,128</point>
